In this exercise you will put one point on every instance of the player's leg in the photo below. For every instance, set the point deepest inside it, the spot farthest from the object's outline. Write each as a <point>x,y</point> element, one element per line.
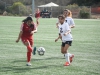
<point>32,45</point>
<point>64,50</point>
<point>67,63</point>
<point>70,55</point>
<point>37,21</point>
<point>29,50</point>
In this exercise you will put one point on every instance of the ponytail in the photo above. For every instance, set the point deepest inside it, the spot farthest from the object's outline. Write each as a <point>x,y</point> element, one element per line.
<point>24,20</point>
<point>69,13</point>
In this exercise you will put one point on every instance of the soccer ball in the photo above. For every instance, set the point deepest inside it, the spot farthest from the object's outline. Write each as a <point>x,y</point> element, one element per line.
<point>41,51</point>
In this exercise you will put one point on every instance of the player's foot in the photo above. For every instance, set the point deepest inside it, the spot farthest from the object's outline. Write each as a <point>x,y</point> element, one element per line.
<point>71,58</point>
<point>66,64</point>
<point>34,51</point>
<point>28,64</point>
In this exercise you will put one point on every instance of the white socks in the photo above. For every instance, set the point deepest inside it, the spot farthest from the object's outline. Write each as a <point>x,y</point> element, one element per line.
<point>70,54</point>
<point>67,57</point>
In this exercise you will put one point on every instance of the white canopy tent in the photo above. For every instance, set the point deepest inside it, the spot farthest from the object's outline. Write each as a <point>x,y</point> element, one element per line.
<point>51,4</point>
<point>41,6</point>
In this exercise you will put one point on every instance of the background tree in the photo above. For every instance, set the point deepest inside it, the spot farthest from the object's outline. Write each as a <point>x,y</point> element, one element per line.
<point>86,2</point>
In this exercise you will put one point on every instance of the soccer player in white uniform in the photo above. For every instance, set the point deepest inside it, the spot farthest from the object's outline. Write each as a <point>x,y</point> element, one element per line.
<point>68,19</point>
<point>65,33</point>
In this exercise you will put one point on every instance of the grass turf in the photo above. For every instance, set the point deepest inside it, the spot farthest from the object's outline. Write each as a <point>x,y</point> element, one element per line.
<point>86,47</point>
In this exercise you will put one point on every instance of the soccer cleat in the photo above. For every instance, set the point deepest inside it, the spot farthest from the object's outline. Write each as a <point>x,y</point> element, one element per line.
<point>66,64</point>
<point>71,58</point>
<point>34,51</point>
<point>28,64</point>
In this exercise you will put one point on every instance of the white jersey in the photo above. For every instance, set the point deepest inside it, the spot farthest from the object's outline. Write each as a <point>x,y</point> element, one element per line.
<point>62,30</point>
<point>70,21</point>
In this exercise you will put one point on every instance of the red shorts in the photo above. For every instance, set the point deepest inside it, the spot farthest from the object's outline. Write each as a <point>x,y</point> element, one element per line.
<point>27,39</point>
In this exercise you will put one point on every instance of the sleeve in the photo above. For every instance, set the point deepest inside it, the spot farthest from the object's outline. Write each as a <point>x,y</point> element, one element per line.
<point>21,28</point>
<point>72,22</point>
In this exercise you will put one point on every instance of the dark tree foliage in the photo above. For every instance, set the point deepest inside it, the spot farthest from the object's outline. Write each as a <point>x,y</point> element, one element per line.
<point>86,2</point>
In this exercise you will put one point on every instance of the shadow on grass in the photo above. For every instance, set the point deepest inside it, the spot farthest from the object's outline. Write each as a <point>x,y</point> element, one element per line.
<point>51,58</point>
<point>19,69</point>
<point>22,69</point>
<point>34,59</point>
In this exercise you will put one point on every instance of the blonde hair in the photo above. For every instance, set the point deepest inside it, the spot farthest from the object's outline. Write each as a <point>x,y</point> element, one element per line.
<point>69,12</point>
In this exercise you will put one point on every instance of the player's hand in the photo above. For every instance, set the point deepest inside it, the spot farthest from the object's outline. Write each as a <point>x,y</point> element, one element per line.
<point>70,27</point>
<point>57,26</point>
<point>32,32</point>
<point>65,34</point>
<point>17,40</point>
<point>56,40</point>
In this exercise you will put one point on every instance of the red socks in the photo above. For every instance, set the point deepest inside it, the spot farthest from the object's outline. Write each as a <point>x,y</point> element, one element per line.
<point>29,48</point>
<point>28,56</point>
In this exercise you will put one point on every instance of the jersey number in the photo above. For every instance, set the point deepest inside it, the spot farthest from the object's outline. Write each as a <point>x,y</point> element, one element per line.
<point>61,30</point>
<point>65,20</point>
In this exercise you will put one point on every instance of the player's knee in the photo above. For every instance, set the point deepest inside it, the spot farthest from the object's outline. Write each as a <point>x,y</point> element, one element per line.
<point>62,52</point>
<point>26,44</point>
<point>29,50</point>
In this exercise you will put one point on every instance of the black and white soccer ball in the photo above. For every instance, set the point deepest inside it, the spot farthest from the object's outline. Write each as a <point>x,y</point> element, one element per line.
<point>41,51</point>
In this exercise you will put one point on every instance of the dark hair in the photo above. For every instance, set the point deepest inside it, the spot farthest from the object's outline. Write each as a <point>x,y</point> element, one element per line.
<point>62,16</point>
<point>27,19</point>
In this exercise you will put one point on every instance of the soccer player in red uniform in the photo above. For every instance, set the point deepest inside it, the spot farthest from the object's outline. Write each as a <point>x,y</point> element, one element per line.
<point>37,15</point>
<point>26,35</point>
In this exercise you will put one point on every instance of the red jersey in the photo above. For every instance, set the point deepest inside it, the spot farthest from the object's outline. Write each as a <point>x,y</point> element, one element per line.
<point>27,29</point>
<point>37,14</point>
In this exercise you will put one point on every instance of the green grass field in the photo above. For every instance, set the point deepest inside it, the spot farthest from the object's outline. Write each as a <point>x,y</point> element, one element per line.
<point>85,46</point>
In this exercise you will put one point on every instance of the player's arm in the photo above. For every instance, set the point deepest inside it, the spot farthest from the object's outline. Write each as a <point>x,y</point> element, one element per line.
<point>57,25</point>
<point>34,30</point>
<point>20,33</point>
<point>72,26</point>
<point>72,23</point>
<point>19,36</point>
<point>59,37</point>
<point>36,25</point>
<point>67,32</point>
